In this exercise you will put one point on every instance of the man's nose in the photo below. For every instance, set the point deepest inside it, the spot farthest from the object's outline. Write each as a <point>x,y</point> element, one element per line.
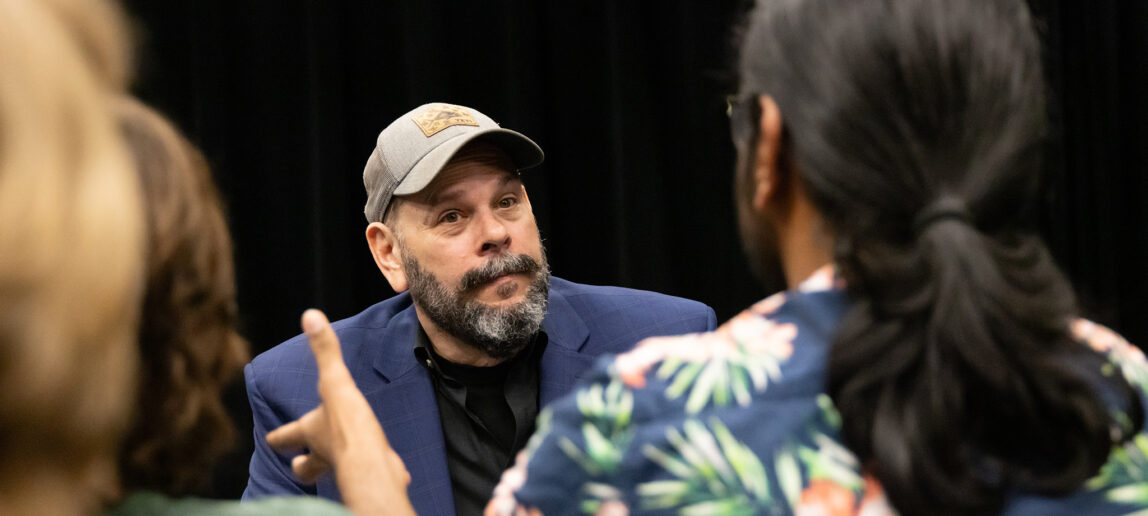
<point>495,237</point>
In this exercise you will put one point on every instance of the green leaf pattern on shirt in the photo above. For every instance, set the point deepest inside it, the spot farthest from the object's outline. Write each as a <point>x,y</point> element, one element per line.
<point>715,473</point>
<point>606,435</point>
<point>1124,478</point>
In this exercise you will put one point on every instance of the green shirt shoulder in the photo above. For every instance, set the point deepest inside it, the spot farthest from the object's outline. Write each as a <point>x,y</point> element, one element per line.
<point>155,504</point>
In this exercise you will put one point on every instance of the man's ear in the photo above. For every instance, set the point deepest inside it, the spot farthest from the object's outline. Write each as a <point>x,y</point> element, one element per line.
<point>767,173</point>
<point>385,248</point>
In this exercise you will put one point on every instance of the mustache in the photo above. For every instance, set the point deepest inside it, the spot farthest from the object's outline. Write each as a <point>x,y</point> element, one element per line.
<point>499,266</point>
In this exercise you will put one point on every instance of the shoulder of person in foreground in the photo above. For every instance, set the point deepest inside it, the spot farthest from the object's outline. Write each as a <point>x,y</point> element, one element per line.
<point>1121,485</point>
<point>642,313</point>
<point>281,387</point>
<point>1125,356</point>
<point>731,420</point>
<point>782,450</point>
<point>154,504</point>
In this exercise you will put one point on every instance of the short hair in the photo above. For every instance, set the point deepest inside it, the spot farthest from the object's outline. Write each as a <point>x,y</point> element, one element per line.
<point>188,343</point>
<point>71,228</point>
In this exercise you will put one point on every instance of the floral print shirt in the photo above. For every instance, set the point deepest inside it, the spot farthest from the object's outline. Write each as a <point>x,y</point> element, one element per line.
<point>737,422</point>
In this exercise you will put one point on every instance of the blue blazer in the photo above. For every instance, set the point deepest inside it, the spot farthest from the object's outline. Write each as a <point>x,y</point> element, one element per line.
<point>582,322</point>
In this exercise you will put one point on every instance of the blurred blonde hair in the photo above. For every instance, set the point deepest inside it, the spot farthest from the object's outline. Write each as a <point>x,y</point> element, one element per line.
<point>70,254</point>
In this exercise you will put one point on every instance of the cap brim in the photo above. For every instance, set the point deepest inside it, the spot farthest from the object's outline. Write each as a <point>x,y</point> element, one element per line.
<point>522,151</point>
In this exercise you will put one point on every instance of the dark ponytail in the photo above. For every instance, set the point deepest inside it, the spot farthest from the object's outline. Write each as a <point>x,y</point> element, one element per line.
<point>955,374</point>
<point>915,127</point>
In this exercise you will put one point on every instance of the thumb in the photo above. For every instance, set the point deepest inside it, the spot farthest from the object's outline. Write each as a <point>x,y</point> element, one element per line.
<point>293,436</point>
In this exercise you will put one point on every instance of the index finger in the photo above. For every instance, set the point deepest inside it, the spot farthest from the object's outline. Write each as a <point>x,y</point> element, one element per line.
<point>324,344</point>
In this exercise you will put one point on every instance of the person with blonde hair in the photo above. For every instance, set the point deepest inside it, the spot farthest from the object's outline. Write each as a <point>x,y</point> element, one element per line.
<point>70,256</point>
<point>72,270</point>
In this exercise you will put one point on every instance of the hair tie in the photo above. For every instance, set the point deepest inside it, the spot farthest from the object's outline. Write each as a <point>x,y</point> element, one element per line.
<point>940,210</point>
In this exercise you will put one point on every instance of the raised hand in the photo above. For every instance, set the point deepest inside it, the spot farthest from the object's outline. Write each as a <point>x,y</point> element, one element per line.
<point>343,433</point>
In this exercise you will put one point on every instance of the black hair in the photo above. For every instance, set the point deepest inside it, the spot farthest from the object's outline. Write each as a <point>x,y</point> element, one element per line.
<point>916,129</point>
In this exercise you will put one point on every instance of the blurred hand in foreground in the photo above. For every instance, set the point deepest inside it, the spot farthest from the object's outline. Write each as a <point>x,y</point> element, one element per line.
<point>343,434</point>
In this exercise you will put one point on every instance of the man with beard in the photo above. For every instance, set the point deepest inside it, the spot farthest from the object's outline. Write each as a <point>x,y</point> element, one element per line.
<point>456,366</point>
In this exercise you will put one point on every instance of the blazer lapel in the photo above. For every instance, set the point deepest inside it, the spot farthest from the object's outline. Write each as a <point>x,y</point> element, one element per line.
<point>404,402</point>
<point>562,363</point>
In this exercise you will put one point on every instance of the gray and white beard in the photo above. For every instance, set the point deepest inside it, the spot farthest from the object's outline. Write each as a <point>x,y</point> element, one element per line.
<point>499,332</point>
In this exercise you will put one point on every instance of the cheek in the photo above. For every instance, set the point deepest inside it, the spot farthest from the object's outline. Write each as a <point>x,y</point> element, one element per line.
<point>451,266</point>
<point>528,239</point>
<point>445,259</point>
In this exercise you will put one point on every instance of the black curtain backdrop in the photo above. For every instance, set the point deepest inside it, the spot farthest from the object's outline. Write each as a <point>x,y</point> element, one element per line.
<point>627,99</point>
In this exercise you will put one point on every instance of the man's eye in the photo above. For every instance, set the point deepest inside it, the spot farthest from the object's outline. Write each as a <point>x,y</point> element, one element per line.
<point>449,217</point>
<point>507,202</point>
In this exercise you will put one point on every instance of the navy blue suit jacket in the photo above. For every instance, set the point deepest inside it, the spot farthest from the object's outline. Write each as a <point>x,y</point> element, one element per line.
<point>582,322</point>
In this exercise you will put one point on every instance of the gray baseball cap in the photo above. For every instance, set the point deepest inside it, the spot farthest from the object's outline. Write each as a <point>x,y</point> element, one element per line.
<point>411,151</point>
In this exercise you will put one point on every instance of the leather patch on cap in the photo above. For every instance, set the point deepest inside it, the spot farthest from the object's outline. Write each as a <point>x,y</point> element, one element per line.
<point>441,116</point>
